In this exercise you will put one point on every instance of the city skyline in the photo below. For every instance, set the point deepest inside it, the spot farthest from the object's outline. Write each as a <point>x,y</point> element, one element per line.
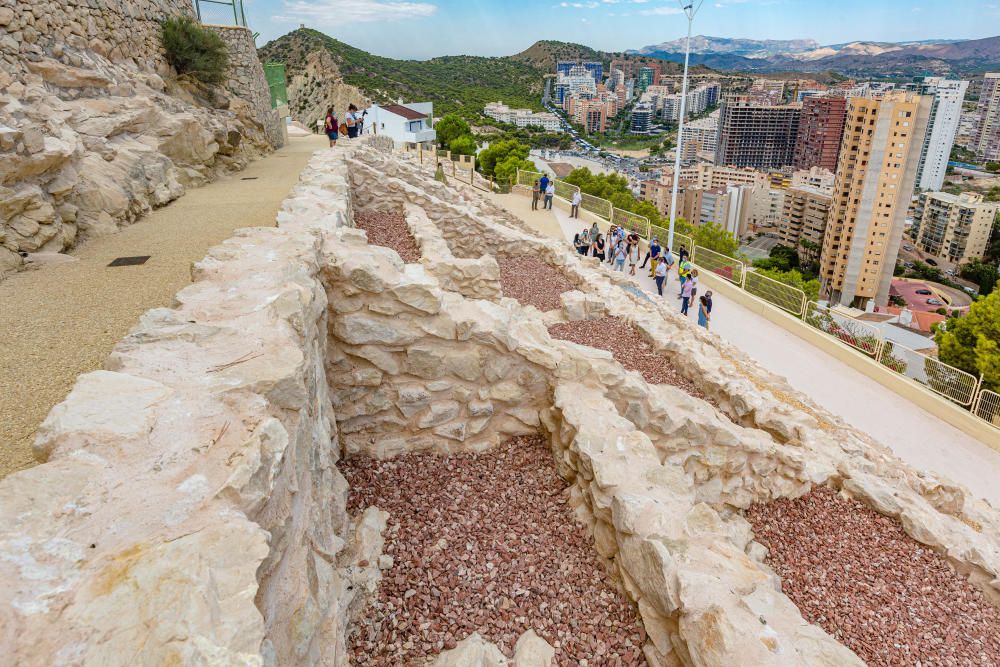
<point>470,27</point>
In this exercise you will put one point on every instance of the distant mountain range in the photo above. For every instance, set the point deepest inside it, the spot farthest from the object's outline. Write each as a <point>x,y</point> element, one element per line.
<point>856,59</point>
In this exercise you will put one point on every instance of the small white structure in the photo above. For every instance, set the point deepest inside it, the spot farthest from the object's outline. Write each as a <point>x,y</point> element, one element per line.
<point>402,122</point>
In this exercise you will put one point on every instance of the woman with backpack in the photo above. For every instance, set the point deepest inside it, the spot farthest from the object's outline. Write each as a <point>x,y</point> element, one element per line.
<point>330,126</point>
<point>352,121</point>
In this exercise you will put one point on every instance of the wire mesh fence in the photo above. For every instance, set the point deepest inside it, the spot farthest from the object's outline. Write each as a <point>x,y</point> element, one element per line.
<point>633,222</point>
<point>565,191</point>
<point>527,177</point>
<point>987,407</point>
<point>725,266</point>
<point>939,377</point>
<point>847,330</point>
<point>778,294</point>
<point>597,206</point>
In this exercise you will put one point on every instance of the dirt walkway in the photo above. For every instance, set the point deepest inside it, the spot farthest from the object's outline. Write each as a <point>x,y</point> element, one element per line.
<point>60,321</point>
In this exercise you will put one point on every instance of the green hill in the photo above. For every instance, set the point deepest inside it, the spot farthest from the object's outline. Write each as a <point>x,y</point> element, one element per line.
<point>462,84</point>
<point>544,54</point>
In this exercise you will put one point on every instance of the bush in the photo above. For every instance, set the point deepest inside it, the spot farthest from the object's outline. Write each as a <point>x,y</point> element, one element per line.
<point>194,50</point>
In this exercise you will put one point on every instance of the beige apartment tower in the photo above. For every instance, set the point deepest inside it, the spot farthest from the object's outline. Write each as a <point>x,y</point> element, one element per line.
<point>955,228</point>
<point>804,217</point>
<point>876,172</point>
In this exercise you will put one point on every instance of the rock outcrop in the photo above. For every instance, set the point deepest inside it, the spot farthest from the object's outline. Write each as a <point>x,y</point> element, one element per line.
<point>319,85</point>
<point>95,130</point>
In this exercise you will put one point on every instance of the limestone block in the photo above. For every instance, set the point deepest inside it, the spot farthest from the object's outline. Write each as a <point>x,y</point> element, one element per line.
<point>440,412</point>
<point>473,651</point>
<point>532,651</point>
<point>102,407</point>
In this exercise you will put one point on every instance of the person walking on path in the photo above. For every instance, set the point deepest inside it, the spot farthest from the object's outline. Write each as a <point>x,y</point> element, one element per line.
<point>595,231</point>
<point>536,191</point>
<point>330,126</point>
<point>550,192</point>
<point>543,184</point>
<point>654,255</point>
<point>683,272</point>
<point>599,247</point>
<point>633,254</point>
<point>685,297</point>
<point>619,256</point>
<point>352,121</point>
<point>703,314</point>
<point>574,211</point>
<point>660,276</point>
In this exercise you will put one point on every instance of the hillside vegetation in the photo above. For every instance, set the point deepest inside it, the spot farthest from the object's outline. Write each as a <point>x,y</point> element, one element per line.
<point>544,54</point>
<point>459,84</point>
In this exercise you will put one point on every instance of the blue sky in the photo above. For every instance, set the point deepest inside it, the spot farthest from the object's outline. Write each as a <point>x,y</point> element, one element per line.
<point>426,28</point>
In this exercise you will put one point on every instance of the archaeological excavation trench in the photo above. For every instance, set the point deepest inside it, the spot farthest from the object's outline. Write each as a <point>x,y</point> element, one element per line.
<point>400,429</point>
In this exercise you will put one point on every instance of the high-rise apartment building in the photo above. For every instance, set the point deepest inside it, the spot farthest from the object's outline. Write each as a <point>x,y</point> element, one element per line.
<point>804,216</point>
<point>986,139</point>
<point>641,120</point>
<point>700,137</point>
<point>955,228</point>
<point>941,129</point>
<point>820,130</point>
<point>755,133</point>
<point>646,77</point>
<point>814,177</point>
<point>875,177</point>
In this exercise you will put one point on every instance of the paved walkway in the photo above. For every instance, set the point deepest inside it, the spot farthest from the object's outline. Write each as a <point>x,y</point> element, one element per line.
<point>919,438</point>
<point>60,321</point>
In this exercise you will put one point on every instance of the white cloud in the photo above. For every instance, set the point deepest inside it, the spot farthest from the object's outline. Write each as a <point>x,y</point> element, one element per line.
<point>578,5</point>
<point>662,11</point>
<point>330,12</point>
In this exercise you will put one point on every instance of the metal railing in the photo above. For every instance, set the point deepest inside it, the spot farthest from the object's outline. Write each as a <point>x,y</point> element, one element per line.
<point>602,208</point>
<point>786,297</point>
<point>859,335</point>
<point>725,266</point>
<point>633,222</point>
<point>987,407</point>
<point>939,377</point>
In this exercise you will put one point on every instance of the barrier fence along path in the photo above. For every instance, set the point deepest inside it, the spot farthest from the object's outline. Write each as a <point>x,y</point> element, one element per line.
<point>927,372</point>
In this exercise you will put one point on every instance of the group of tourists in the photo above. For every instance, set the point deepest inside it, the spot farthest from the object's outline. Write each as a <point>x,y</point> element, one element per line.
<point>543,187</point>
<point>620,247</point>
<point>353,124</point>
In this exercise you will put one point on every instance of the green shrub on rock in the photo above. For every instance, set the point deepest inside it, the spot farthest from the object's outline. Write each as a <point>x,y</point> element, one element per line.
<point>194,50</point>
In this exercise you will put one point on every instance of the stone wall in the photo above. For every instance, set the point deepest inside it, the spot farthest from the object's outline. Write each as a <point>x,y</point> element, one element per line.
<point>199,464</point>
<point>246,80</point>
<point>94,129</point>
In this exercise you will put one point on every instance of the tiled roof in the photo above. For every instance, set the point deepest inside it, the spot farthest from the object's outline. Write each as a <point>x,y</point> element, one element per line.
<point>405,112</point>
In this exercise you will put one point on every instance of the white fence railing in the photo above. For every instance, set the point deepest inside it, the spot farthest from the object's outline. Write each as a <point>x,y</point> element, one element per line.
<point>724,266</point>
<point>859,335</point>
<point>987,407</point>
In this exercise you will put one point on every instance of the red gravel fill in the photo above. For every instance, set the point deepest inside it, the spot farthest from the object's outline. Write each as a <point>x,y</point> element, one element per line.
<point>856,574</point>
<point>390,231</point>
<point>532,282</point>
<point>485,543</point>
<point>629,349</point>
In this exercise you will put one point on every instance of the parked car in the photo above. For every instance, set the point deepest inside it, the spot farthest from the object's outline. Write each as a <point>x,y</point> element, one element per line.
<point>924,292</point>
<point>931,261</point>
<point>908,248</point>
<point>934,302</point>
<point>908,265</point>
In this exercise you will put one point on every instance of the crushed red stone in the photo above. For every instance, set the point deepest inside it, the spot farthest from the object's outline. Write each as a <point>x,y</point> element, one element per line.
<point>532,282</point>
<point>856,574</point>
<point>629,349</point>
<point>485,543</point>
<point>390,231</point>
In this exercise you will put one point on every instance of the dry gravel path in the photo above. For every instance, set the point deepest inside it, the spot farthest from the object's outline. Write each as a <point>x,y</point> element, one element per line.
<point>485,543</point>
<point>390,231</point>
<point>628,347</point>
<point>856,574</point>
<point>60,321</point>
<point>532,282</point>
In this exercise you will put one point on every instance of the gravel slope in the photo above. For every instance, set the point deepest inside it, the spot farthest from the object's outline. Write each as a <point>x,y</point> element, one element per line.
<point>485,543</point>
<point>532,282</point>
<point>856,574</point>
<point>389,230</point>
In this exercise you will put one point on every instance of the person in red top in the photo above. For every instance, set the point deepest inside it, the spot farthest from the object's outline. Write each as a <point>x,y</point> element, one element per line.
<point>330,126</point>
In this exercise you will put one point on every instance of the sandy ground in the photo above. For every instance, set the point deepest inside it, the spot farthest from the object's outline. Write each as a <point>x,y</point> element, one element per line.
<point>921,439</point>
<point>60,321</point>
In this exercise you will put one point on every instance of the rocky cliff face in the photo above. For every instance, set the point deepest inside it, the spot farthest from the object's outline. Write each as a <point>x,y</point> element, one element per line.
<point>94,128</point>
<point>318,86</point>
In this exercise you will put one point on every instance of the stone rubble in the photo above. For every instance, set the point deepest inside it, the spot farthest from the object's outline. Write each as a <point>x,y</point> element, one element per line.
<point>532,282</point>
<point>200,464</point>
<point>485,543</point>
<point>856,574</point>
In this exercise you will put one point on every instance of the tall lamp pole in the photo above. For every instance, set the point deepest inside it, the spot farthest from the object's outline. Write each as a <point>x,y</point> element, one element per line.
<point>690,8</point>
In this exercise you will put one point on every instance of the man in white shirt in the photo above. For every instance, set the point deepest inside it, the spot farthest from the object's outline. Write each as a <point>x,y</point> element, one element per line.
<point>574,211</point>
<point>550,192</point>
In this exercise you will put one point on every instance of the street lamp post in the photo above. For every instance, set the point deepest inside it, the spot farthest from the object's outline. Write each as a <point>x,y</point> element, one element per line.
<point>690,9</point>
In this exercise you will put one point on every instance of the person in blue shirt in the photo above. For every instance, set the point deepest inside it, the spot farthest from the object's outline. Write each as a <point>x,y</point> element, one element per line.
<point>543,184</point>
<point>654,256</point>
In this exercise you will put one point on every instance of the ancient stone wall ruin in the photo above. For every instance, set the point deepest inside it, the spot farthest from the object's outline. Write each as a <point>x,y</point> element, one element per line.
<point>94,129</point>
<point>199,465</point>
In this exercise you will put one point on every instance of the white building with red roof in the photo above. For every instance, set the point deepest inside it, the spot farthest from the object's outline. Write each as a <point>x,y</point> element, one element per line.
<point>408,123</point>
